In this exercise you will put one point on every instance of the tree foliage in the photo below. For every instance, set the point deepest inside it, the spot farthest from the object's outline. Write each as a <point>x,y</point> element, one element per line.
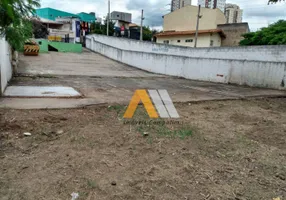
<point>147,33</point>
<point>111,28</point>
<point>275,34</point>
<point>39,30</point>
<point>98,28</point>
<point>14,23</point>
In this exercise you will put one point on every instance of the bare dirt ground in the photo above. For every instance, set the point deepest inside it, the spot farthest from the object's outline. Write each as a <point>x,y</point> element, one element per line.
<point>234,150</point>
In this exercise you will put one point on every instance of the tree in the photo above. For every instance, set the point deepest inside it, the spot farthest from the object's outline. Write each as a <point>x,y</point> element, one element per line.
<point>147,33</point>
<point>97,28</point>
<point>14,23</point>
<point>111,28</point>
<point>39,30</point>
<point>275,34</point>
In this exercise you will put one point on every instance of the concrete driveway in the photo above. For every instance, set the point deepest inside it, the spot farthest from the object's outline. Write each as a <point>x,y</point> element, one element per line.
<point>101,80</point>
<point>84,64</point>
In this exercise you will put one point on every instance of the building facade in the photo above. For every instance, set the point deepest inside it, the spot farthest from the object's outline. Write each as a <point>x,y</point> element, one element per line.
<point>185,19</point>
<point>61,24</point>
<point>220,4</point>
<point>179,27</point>
<point>233,13</point>
<point>233,33</point>
<point>177,4</point>
<point>121,23</point>
<point>121,16</point>
<point>206,38</point>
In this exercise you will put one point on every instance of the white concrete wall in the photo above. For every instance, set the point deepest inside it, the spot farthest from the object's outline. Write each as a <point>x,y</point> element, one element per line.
<point>252,66</point>
<point>258,53</point>
<point>5,64</point>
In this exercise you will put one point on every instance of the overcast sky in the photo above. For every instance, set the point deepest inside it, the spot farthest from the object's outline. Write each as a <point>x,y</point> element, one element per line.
<point>256,12</point>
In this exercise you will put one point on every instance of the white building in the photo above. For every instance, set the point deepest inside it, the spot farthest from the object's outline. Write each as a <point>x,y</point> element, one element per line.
<point>220,4</point>
<point>179,27</point>
<point>177,4</point>
<point>233,13</point>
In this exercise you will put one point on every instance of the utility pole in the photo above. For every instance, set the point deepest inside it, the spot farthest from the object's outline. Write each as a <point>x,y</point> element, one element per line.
<point>108,18</point>
<point>141,29</point>
<point>197,29</point>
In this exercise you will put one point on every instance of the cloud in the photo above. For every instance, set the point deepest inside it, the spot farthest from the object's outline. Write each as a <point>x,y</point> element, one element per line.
<point>259,14</point>
<point>153,10</point>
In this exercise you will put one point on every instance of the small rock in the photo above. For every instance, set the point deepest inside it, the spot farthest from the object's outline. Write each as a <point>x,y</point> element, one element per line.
<point>63,119</point>
<point>145,134</point>
<point>278,198</point>
<point>28,134</point>
<point>113,183</point>
<point>59,132</point>
<point>25,167</point>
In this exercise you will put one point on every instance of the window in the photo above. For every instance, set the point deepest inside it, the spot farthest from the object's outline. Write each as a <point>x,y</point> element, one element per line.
<point>212,43</point>
<point>189,40</point>
<point>178,41</point>
<point>166,41</point>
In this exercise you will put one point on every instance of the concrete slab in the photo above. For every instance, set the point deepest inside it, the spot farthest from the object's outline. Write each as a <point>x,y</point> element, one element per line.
<point>38,91</point>
<point>111,90</point>
<point>46,103</point>
<point>76,64</point>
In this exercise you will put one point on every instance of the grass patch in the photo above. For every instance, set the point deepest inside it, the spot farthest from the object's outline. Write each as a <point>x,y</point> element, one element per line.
<point>116,108</point>
<point>141,113</point>
<point>91,184</point>
<point>164,131</point>
<point>180,133</point>
<point>119,109</point>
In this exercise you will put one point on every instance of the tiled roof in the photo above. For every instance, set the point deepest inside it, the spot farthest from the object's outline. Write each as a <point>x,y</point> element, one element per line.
<point>133,25</point>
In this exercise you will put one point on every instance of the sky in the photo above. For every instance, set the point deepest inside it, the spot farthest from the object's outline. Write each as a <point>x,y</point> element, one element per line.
<point>256,12</point>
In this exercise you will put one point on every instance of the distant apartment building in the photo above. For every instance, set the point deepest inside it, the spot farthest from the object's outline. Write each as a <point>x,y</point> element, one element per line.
<point>233,13</point>
<point>213,4</point>
<point>177,4</point>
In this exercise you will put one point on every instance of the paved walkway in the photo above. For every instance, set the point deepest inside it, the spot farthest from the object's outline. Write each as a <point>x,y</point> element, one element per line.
<point>101,80</point>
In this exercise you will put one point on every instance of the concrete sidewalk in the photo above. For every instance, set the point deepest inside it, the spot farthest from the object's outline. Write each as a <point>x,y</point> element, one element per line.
<point>110,90</point>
